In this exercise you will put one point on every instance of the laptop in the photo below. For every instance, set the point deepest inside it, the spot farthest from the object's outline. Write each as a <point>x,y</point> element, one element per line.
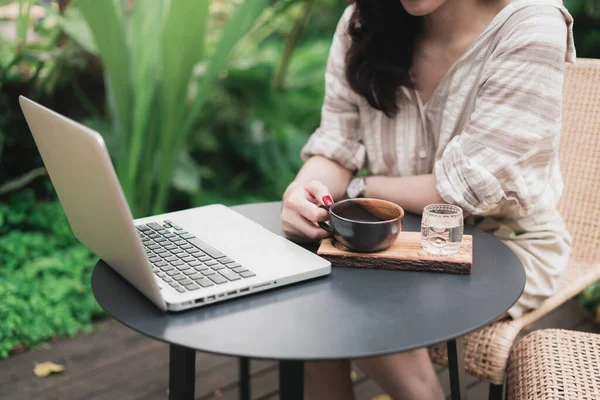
<point>179,260</point>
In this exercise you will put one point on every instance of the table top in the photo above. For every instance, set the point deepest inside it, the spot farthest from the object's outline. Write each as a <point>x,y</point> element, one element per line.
<point>350,313</point>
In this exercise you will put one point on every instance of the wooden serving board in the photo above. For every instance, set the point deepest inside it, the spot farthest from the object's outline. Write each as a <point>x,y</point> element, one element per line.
<point>405,254</point>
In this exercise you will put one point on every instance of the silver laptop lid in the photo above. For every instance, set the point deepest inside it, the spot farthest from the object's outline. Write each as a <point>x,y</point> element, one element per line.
<point>89,191</point>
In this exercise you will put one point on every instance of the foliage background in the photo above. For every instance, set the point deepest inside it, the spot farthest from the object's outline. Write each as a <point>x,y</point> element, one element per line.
<point>243,146</point>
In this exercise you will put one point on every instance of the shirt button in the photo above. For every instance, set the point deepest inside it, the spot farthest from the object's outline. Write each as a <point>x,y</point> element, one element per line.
<point>422,154</point>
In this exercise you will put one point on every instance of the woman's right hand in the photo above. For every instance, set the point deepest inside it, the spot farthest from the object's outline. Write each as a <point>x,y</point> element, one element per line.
<point>301,212</point>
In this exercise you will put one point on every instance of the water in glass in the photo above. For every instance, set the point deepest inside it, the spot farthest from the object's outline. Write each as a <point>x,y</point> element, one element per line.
<point>442,229</point>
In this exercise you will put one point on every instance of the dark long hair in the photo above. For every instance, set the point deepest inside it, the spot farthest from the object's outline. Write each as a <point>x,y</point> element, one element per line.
<point>378,60</point>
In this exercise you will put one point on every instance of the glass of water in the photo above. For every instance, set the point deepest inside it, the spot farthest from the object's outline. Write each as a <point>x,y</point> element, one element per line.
<point>442,229</point>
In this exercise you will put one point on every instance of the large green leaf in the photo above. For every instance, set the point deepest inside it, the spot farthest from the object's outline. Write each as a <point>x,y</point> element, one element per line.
<point>108,31</point>
<point>75,26</point>
<point>239,25</point>
<point>181,48</point>
<point>144,34</point>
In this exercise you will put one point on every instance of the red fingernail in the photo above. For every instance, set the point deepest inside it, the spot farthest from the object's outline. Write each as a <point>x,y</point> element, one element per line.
<point>327,200</point>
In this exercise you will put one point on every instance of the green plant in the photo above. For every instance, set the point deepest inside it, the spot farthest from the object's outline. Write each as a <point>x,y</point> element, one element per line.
<point>150,55</point>
<point>45,275</point>
<point>586,29</point>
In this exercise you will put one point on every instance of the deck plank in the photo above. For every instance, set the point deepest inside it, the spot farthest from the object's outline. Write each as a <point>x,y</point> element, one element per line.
<point>115,362</point>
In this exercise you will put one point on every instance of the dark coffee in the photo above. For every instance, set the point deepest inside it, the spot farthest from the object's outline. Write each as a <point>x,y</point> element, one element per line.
<point>355,212</point>
<point>364,225</point>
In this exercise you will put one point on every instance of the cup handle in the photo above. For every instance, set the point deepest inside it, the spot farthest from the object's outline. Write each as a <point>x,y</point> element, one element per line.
<point>324,225</point>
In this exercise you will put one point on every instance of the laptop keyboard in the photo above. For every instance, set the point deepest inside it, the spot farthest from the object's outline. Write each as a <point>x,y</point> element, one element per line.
<point>185,262</point>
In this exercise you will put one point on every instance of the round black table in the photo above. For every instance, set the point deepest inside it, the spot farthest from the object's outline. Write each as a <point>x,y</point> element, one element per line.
<point>350,313</point>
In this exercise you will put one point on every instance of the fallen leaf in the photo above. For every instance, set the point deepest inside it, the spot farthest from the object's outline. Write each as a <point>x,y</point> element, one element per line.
<point>382,397</point>
<point>47,368</point>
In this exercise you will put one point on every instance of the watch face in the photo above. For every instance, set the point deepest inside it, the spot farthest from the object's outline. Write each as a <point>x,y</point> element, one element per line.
<point>355,188</point>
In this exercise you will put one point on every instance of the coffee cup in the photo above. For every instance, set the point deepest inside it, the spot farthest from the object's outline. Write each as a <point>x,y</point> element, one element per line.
<point>364,225</point>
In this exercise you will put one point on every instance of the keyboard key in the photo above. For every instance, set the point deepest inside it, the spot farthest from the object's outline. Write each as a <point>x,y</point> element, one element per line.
<point>168,221</point>
<point>240,269</point>
<point>201,268</point>
<point>162,240</point>
<point>226,260</point>
<point>167,279</point>
<point>156,227</point>
<point>183,267</point>
<point>173,272</point>
<point>194,263</point>
<point>177,228</point>
<point>195,276</point>
<point>160,274</point>
<point>154,259</point>
<point>180,242</point>
<point>154,235</point>
<point>180,289</point>
<point>182,232</point>
<point>160,264</point>
<point>155,270</point>
<point>155,246</point>
<point>218,279</point>
<point>169,235</point>
<point>174,239</point>
<point>211,251</point>
<point>218,267</point>
<point>173,284</point>
<point>176,251</point>
<point>192,286</point>
<point>171,259</point>
<point>187,236</point>
<point>208,272</point>
<point>176,263</point>
<point>179,277</point>
<point>187,246</point>
<point>247,274</point>
<point>232,276</point>
<point>190,271</point>
<point>149,253</point>
<point>164,254</point>
<point>148,242</point>
<point>204,282</point>
<point>185,281</point>
<point>182,255</point>
<point>167,268</point>
<point>170,247</point>
<point>233,265</point>
<point>143,228</point>
<point>195,252</point>
<point>210,263</point>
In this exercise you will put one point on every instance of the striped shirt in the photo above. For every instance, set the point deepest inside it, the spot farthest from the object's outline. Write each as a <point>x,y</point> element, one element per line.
<point>490,130</point>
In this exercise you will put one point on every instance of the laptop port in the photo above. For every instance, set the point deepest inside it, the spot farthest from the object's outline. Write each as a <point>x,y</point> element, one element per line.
<point>245,290</point>
<point>261,286</point>
<point>199,301</point>
<point>231,293</point>
<point>210,298</point>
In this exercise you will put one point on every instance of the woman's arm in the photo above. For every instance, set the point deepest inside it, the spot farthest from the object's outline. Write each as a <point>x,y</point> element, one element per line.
<point>412,193</point>
<point>328,172</point>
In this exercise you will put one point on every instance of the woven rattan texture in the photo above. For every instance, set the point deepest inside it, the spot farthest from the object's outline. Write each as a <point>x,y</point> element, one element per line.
<point>487,350</point>
<point>555,364</point>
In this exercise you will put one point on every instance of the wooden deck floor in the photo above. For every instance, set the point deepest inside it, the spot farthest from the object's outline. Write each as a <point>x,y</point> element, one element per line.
<point>114,363</point>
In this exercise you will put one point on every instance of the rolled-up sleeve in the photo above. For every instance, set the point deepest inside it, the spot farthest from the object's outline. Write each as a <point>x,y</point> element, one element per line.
<point>338,136</point>
<point>507,152</point>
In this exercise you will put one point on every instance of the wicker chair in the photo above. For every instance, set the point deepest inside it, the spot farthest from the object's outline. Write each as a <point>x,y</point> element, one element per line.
<point>487,350</point>
<point>555,364</point>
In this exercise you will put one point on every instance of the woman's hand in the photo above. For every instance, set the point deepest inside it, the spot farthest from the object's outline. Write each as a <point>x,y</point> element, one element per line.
<point>300,212</point>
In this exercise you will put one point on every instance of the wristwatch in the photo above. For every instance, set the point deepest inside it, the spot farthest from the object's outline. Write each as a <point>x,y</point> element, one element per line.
<point>356,187</point>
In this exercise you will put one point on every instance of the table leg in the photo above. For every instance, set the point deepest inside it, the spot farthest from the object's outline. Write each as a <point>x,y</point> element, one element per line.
<point>244,378</point>
<point>291,380</point>
<point>456,369</point>
<point>182,372</point>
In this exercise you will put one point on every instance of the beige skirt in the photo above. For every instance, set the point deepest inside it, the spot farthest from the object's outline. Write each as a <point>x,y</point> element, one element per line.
<point>542,243</point>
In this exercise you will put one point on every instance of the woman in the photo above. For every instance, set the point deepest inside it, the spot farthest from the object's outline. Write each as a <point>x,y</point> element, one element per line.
<point>455,101</point>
